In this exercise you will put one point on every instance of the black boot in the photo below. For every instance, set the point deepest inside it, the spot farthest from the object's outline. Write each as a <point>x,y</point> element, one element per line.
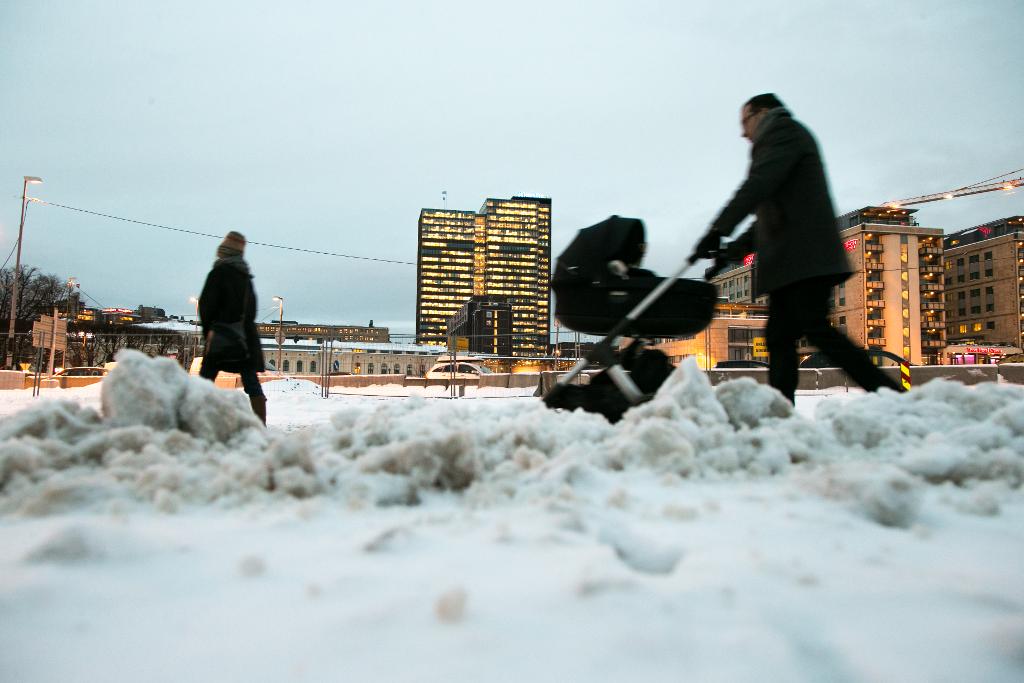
<point>259,406</point>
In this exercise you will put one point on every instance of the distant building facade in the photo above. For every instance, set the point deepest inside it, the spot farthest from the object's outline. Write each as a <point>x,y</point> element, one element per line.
<point>486,323</point>
<point>736,332</point>
<point>504,249</point>
<point>307,357</point>
<point>150,313</point>
<point>984,291</point>
<point>894,301</point>
<point>345,333</point>
<point>735,284</point>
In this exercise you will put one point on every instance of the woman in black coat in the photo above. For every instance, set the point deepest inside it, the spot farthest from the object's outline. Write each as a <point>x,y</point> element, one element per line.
<point>228,297</point>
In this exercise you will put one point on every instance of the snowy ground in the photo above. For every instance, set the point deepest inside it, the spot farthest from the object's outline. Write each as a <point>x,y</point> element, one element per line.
<point>710,536</point>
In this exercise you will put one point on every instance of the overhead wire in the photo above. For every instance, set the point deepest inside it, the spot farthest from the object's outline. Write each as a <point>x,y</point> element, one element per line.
<point>206,234</point>
<point>988,180</point>
<point>13,246</point>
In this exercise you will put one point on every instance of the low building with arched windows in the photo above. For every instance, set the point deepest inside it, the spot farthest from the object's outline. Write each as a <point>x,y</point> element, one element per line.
<point>307,357</point>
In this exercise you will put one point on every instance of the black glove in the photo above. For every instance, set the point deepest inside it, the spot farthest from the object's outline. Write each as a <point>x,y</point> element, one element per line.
<point>709,245</point>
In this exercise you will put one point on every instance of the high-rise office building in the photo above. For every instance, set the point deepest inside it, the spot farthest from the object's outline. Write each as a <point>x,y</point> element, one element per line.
<point>504,249</point>
<point>444,270</point>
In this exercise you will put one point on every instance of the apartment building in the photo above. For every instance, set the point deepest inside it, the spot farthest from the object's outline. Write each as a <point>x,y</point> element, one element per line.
<point>893,301</point>
<point>984,291</point>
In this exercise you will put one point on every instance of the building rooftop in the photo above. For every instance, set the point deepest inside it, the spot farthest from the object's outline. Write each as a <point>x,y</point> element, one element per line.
<point>367,347</point>
<point>996,228</point>
<point>878,215</point>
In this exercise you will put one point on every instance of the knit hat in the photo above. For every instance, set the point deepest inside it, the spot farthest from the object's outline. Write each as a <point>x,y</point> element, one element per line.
<point>233,245</point>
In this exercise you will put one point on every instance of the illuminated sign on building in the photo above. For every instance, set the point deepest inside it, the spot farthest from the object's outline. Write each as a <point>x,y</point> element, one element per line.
<point>118,310</point>
<point>985,231</point>
<point>983,350</point>
<point>850,245</point>
<point>748,260</point>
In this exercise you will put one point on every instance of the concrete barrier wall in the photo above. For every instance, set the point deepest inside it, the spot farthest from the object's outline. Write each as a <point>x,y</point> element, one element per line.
<point>809,379</point>
<point>523,380</point>
<point>967,374</point>
<point>72,382</point>
<point>228,380</point>
<point>496,381</point>
<point>1012,372</point>
<point>726,374</point>
<point>12,379</point>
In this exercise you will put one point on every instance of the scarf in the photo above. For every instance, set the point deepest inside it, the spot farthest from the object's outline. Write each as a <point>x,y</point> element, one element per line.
<point>769,120</point>
<point>235,261</point>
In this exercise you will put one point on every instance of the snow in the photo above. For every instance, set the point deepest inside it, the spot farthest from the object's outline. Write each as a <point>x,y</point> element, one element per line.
<point>151,529</point>
<point>171,325</point>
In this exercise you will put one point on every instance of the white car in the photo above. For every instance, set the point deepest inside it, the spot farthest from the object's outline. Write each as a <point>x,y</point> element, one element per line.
<point>462,370</point>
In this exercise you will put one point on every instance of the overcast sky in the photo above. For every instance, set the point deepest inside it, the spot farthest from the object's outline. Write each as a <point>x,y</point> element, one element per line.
<point>329,125</point>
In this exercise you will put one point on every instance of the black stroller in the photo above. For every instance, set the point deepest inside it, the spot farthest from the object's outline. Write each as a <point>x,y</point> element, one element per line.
<point>601,290</point>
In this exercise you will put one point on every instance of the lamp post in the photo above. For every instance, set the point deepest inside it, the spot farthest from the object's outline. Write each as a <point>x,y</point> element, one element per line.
<point>280,329</point>
<point>199,341</point>
<point>72,284</point>
<point>29,180</point>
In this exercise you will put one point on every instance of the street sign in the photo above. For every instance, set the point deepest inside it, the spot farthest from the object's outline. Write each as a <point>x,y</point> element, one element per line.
<point>462,343</point>
<point>48,331</point>
<point>760,348</point>
<point>279,337</point>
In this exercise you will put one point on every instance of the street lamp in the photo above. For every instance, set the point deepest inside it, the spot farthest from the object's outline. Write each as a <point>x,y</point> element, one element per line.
<point>195,322</point>
<point>280,329</point>
<point>72,284</point>
<point>29,180</point>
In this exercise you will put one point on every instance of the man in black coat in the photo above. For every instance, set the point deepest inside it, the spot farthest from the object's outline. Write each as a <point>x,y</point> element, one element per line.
<point>228,297</point>
<point>799,256</point>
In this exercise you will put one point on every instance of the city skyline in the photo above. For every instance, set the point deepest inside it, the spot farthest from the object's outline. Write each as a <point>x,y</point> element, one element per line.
<point>141,112</point>
<point>503,250</point>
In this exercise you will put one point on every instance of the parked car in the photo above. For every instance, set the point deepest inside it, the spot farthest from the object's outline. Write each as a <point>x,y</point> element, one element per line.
<point>81,372</point>
<point>731,364</point>
<point>1012,358</point>
<point>462,370</point>
<point>883,359</point>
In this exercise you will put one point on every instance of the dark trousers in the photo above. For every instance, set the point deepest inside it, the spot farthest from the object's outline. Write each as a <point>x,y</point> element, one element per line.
<point>799,310</point>
<point>250,382</point>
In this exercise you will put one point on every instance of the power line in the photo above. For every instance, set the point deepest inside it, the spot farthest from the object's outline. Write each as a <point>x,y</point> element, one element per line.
<point>90,298</point>
<point>988,180</point>
<point>14,246</point>
<point>206,234</point>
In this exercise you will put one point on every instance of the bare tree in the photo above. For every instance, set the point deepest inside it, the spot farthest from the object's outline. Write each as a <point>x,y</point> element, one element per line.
<point>38,294</point>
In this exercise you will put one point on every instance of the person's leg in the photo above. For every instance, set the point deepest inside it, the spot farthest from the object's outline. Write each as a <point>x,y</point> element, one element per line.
<point>251,385</point>
<point>208,370</point>
<point>834,344</point>
<point>780,340</point>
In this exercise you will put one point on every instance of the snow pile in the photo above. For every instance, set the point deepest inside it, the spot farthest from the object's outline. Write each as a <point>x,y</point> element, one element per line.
<point>171,439</point>
<point>156,393</point>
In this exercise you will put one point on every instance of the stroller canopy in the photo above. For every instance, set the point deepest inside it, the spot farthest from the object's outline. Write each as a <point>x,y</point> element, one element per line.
<point>587,257</point>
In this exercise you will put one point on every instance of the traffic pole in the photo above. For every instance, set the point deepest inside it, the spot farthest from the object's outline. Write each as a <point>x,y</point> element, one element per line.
<point>905,376</point>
